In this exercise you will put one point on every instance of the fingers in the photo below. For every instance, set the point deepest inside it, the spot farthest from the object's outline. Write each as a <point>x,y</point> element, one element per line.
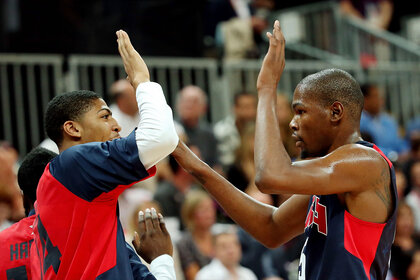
<point>162,224</point>
<point>148,220</point>
<point>277,36</point>
<point>277,31</point>
<point>151,220</point>
<point>122,44</point>
<point>155,219</point>
<point>142,225</point>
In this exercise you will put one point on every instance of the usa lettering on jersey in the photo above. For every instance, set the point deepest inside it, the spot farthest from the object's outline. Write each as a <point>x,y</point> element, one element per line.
<point>317,215</point>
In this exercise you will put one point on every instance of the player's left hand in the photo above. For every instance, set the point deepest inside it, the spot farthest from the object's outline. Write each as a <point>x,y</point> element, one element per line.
<point>134,65</point>
<point>274,60</point>
<point>153,239</point>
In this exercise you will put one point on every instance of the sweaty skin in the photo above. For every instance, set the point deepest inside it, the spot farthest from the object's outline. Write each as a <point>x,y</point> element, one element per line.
<point>357,174</point>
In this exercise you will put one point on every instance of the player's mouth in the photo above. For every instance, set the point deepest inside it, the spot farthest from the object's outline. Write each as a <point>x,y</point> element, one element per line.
<point>299,141</point>
<point>115,137</point>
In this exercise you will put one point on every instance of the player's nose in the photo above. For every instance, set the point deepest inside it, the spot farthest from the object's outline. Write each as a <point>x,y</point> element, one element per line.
<point>293,124</point>
<point>116,127</point>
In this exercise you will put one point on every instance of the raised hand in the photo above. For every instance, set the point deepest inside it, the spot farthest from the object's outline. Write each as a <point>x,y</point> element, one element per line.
<point>274,60</point>
<point>153,239</point>
<point>134,65</point>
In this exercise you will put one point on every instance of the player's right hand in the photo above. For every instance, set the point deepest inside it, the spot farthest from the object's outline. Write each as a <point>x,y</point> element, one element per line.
<point>274,61</point>
<point>134,65</point>
<point>152,239</point>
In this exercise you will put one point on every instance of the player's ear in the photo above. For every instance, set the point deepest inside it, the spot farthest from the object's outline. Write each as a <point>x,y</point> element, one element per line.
<point>72,129</point>
<point>337,111</point>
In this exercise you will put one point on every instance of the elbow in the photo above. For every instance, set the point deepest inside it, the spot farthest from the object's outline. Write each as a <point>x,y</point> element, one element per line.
<point>167,136</point>
<point>272,240</point>
<point>168,140</point>
<point>262,181</point>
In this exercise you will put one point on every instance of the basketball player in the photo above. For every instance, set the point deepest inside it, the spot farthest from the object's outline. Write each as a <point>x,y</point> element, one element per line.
<point>78,234</point>
<point>15,241</point>
<point>344,198</point>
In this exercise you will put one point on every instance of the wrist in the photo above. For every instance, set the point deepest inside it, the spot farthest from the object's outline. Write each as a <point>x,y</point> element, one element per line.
<point>267,90</point>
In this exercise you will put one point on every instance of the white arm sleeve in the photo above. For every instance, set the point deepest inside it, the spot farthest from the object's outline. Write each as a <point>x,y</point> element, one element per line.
<point>155,135</point>
<point>163,268</point>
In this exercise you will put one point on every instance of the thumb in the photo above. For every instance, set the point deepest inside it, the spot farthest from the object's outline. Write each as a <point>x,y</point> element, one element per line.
<point>136,241</point>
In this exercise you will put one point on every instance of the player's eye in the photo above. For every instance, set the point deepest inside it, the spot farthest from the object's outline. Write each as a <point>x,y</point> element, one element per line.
<point>106,116</point>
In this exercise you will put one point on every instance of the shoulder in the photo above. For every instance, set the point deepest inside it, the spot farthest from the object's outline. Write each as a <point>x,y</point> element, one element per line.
<point>367,163</point>
<point>358,154</point>
<point>19,230</point>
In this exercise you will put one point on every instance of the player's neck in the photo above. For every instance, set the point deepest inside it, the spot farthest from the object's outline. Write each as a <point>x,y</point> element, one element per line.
<point>344,138</point>
<point>67,144</point>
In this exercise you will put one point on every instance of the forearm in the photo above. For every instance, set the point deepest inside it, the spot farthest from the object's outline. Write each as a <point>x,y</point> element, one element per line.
<point>155,136</point>
<point>270,155</point>
<point>243,209</point>
<point>386,9</point>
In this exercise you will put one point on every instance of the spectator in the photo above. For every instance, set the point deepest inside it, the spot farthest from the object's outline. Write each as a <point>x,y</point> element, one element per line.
<point>191,106</point>
<point>285,115</point>
<point>15,254</point>
<point>413,272</point>
<point>6,211</point>
<point>401,182</point>
<point>382,127</point>
<point>9,189</point>
<point>225,265</point>
<point>241,174</point>
<point>124,109</point>
<point>196,247</point>
<point>413,197</point>
<point>229,130</point>
<point>413,137</point>
<point>171,194</point>
<point>377,13</point>
<point>405,243</point>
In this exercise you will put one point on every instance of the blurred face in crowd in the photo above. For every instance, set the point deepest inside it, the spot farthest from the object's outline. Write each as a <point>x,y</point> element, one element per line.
<point>228,249</point>
<point>415,174</point>
<point>284,110</point>
<point>401,182</point>
<point>245,108</point>
<point>97,124</point>
<point>405,221</point>
<point>374,101</point>
<point>191,105</point>
<point>125,97</point>
<point>204,214</point>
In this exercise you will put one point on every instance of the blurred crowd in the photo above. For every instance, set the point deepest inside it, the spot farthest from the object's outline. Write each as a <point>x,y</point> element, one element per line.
<point>188,28</point>
<point>206,239</point>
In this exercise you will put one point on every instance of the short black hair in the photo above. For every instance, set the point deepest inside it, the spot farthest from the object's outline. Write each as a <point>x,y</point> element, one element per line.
<point>366,89</point>
<point>31,170</point>
<point>332,85</point>
<point>66,107</point>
